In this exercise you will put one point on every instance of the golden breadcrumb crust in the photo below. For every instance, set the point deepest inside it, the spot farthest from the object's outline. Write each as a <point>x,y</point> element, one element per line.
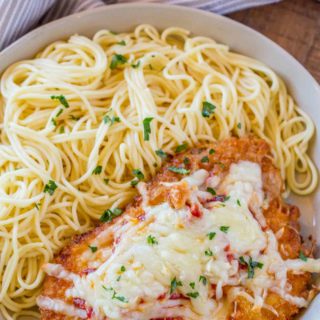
<point>278,216</point>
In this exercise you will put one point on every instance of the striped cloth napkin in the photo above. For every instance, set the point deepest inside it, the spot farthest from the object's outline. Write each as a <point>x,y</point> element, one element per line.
<point>20,16</point>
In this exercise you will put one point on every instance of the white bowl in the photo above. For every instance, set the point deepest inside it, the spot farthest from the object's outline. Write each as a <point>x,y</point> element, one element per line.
<point>240,38</point>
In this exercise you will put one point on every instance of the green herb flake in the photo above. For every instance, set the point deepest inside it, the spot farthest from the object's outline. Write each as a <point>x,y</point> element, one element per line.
<point>110,214</point>
<point>136,65</point>
<point>205,159</point>
<point>62,99</point>
<point>208,253</point>
<point>121,43</point>
<point>50,187</point>
<point>174,284</point>
<point>302,256</point>
<point>212,191</point>
<point>150,67</point>
<point>224,229</point>
<point>137,173</point>
<point>207,109</point>
<point>211,235</point>
<point>160,153</point>
<point>37,205</point>
<point>181,147</point>
<point>123,269</point>
<point>226,198</point>
<point>186,161</point>
<point>203,279</point>
<point>239,125</point>
<point>238,203</point>
<point>179,170</point>
<point>110,120</point>
<point>54,122</point>
<point>151,240</point>
<point>118,279</point>
<point>61,129</point>
<point>93,248</point>
<point>134,182</point>
<point>106,181</point>
<point>212,151</point>
<point>59,112</point>
<point>251,265</point>
<point>193,295</point>
<point>116,60</point>
<point>192,285</point>
<point>97,170</point>
<point>146,128</point>
<point>120,298</point>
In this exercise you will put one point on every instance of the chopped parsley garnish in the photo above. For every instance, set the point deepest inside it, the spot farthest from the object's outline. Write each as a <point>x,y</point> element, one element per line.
<point>211,235</point>
<point>226,198</point>
<point>302,256</point>
<point>208,253</point>
<point>239,125</point>
<point>54,122</point>
<point>97,170</point>
<point>174,284</point>
<point>146,128</point>
<point>135,65</point>
<point>193,294</point>
<point>134,182</point>
<point>116,60</point>
<point>121,43</point>
<point>37,205</point>
<point>181,147</point>
<point>150,67</point>
<point>186,160</point>
<point>151,240</point>
<point>138,174</point>
<point>61,129</point>
<point>212,191</point>
<point>238,203</point>
<point>179,170</point>
<point>207,109</point>
<point>224,229</point>
<point>203,279</point>
<point>110,120</point>
<point>123,269</point>
<point>93,248</point>
<point>50,187</point>
<point>212,151</point>
<point>62,99</point>
<point>205,159</point>
<point>110,214</point>
<point>161,154</point>
<point>250,265</point>
<point>59,112</point>
<point>220,164</point>
<point>118,278</point>
<point>120,298</point>
<point>192,285</point>
<point>106,181</point>
<point>114,294</point>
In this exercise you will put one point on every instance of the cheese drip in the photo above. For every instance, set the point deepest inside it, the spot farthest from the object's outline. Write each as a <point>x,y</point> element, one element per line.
<point>173,255</point>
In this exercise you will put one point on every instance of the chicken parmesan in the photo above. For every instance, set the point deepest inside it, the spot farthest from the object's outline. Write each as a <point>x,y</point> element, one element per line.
<point>208,238</point>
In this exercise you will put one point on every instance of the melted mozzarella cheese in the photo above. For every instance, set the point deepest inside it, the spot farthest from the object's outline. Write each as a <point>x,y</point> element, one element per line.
<point>194,257</point>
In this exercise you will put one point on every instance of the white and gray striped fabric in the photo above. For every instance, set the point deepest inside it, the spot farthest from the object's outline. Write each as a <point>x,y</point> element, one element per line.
<point>17,17</point>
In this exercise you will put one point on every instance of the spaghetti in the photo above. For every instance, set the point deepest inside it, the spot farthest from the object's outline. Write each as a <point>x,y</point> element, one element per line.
<point>83,114</point>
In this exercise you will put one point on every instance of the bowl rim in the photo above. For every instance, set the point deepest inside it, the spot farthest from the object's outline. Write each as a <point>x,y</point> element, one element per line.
<point>75,16</point>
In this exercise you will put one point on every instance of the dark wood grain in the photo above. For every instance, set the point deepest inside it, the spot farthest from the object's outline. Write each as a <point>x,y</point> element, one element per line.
<point>293,24</point>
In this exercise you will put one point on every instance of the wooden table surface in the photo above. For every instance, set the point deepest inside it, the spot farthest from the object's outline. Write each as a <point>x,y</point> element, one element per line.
<point>293,24</point>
